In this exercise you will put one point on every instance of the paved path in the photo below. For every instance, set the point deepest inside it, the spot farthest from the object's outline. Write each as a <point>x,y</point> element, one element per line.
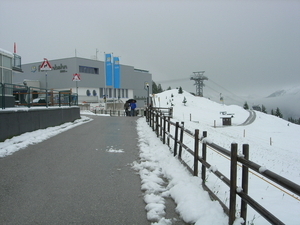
<point>250,119</point>
<point>72,179</point>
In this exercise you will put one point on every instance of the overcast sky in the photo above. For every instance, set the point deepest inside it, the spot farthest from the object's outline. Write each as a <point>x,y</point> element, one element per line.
<point>246,47</point>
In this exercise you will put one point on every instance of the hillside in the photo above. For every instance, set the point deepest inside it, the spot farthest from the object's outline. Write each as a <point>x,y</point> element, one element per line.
<point>274,143</point>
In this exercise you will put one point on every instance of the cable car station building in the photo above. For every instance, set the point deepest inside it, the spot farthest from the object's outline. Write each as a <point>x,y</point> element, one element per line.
<point>92,85</point>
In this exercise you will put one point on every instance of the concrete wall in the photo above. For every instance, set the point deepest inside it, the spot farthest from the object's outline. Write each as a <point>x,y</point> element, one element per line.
<point>15,122</point>
<point>9,101</point>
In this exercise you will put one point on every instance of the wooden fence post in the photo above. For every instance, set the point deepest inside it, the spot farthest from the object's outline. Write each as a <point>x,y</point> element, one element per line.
<point>181,138</point>
<point>196,151</point>
<point>157,125</point>
<point>203,168</point>
<point>153,118</point>
<point>233,175</point>
<point>161,117</point>
<point>245,175</point>
<point>176,138</point>
<point>169,125</point>
<point>164,131</point>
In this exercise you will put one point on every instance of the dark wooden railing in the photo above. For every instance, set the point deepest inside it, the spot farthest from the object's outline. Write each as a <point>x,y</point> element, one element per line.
<point>161,123</point>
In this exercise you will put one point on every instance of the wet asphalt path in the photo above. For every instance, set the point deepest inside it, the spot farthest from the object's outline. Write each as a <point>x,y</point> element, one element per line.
<point>72,179</point>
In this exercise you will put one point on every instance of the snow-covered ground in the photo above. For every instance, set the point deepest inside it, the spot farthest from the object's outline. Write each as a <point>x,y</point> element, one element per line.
<point>274,144</point>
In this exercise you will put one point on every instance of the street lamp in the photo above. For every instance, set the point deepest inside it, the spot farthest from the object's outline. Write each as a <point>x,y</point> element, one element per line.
<point>147,85</point>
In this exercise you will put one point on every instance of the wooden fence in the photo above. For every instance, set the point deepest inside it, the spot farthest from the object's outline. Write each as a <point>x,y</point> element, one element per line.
<point>161,124</point>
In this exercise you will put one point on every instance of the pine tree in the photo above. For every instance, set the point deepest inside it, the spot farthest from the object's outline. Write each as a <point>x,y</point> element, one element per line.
<point>263,109</point>
<point>154,88</point>
<point>246,105</point>
<point>278,113</point>
<point>180,90</point>
<point>169,88</point>
<point>184,101</point>
<point>159,88</point>
<point>272,112</point>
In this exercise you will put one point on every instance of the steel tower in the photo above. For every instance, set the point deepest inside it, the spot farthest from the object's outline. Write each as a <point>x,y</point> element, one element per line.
<point>198,77</point>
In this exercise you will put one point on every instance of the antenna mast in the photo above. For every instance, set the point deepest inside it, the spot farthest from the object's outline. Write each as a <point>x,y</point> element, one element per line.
<point>198,77</point>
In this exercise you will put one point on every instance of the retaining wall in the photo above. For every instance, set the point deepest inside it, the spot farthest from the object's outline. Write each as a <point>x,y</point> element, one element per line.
<point>16,121</point>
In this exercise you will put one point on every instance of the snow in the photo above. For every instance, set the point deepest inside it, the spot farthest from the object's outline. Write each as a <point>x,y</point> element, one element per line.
<point>9,146</point>
<point>111,149</point>
<point>273,144</point>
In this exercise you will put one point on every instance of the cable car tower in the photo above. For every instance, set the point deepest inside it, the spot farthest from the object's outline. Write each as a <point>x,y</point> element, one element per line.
<point>198,77</point>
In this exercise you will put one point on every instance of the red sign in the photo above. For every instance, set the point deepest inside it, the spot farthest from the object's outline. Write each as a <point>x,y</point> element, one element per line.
<point>76,77</point>
<point>45,65</point>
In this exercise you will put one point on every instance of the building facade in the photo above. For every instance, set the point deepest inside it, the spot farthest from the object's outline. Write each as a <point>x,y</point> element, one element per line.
<point>91,88</point>
<point>10,63</point>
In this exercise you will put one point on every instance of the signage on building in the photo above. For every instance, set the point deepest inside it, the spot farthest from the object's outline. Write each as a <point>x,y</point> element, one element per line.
<point>61,67</point>
<point>45,66</point>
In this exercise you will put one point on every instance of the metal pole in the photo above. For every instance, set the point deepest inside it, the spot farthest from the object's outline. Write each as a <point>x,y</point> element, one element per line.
<point>147,95</point>
<point>46,90</point>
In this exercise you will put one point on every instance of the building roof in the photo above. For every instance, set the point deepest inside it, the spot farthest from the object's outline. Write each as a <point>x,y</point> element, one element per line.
<point>7,53</point>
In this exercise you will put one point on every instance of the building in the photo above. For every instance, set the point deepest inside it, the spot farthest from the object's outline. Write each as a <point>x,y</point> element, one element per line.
<point>91,87</point>
<point>10,64</point>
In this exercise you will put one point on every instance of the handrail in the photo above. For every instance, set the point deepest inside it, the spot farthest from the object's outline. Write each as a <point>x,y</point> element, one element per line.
<point>24,96</point>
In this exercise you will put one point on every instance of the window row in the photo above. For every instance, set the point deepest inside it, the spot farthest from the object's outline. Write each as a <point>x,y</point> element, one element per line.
<point>113,93</point>
<point>86,69</point>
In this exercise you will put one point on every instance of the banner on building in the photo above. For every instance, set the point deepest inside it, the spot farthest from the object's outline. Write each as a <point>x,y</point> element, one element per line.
<point>108,70</point>
<point>116,72</point>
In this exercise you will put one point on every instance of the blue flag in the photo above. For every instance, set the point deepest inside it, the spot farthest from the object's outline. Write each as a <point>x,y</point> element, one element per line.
<point>108,70</point>
<point>116,72</point>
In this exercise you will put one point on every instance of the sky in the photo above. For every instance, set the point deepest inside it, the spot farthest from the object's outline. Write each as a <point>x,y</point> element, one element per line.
<point>162,176</point>
<point>245,47</point>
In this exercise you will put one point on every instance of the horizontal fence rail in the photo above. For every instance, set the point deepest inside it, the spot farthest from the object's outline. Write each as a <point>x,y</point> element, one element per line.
<point>161,123</point>
<point>26,96</point>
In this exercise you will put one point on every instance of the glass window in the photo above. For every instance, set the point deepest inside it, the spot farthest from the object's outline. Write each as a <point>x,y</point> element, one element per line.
<point>17,61</point>
<point>7,62</point>
<point>0,59</point>
<point>7,76</point>
<point>86,69</point>
<point>101,93</point>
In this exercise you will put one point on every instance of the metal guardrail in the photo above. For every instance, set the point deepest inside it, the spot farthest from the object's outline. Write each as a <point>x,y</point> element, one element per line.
<point>161,124</point>
<point>33,96</point>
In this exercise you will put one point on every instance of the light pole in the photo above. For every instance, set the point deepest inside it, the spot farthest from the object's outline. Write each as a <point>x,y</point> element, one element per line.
<point>147,85</point>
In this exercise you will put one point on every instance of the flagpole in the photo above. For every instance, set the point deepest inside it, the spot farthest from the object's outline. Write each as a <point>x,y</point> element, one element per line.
<point>113,78</point>
<point>104,63</point>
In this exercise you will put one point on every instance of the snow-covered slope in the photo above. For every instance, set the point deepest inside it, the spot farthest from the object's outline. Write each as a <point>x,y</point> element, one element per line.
<point>274,144</point>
